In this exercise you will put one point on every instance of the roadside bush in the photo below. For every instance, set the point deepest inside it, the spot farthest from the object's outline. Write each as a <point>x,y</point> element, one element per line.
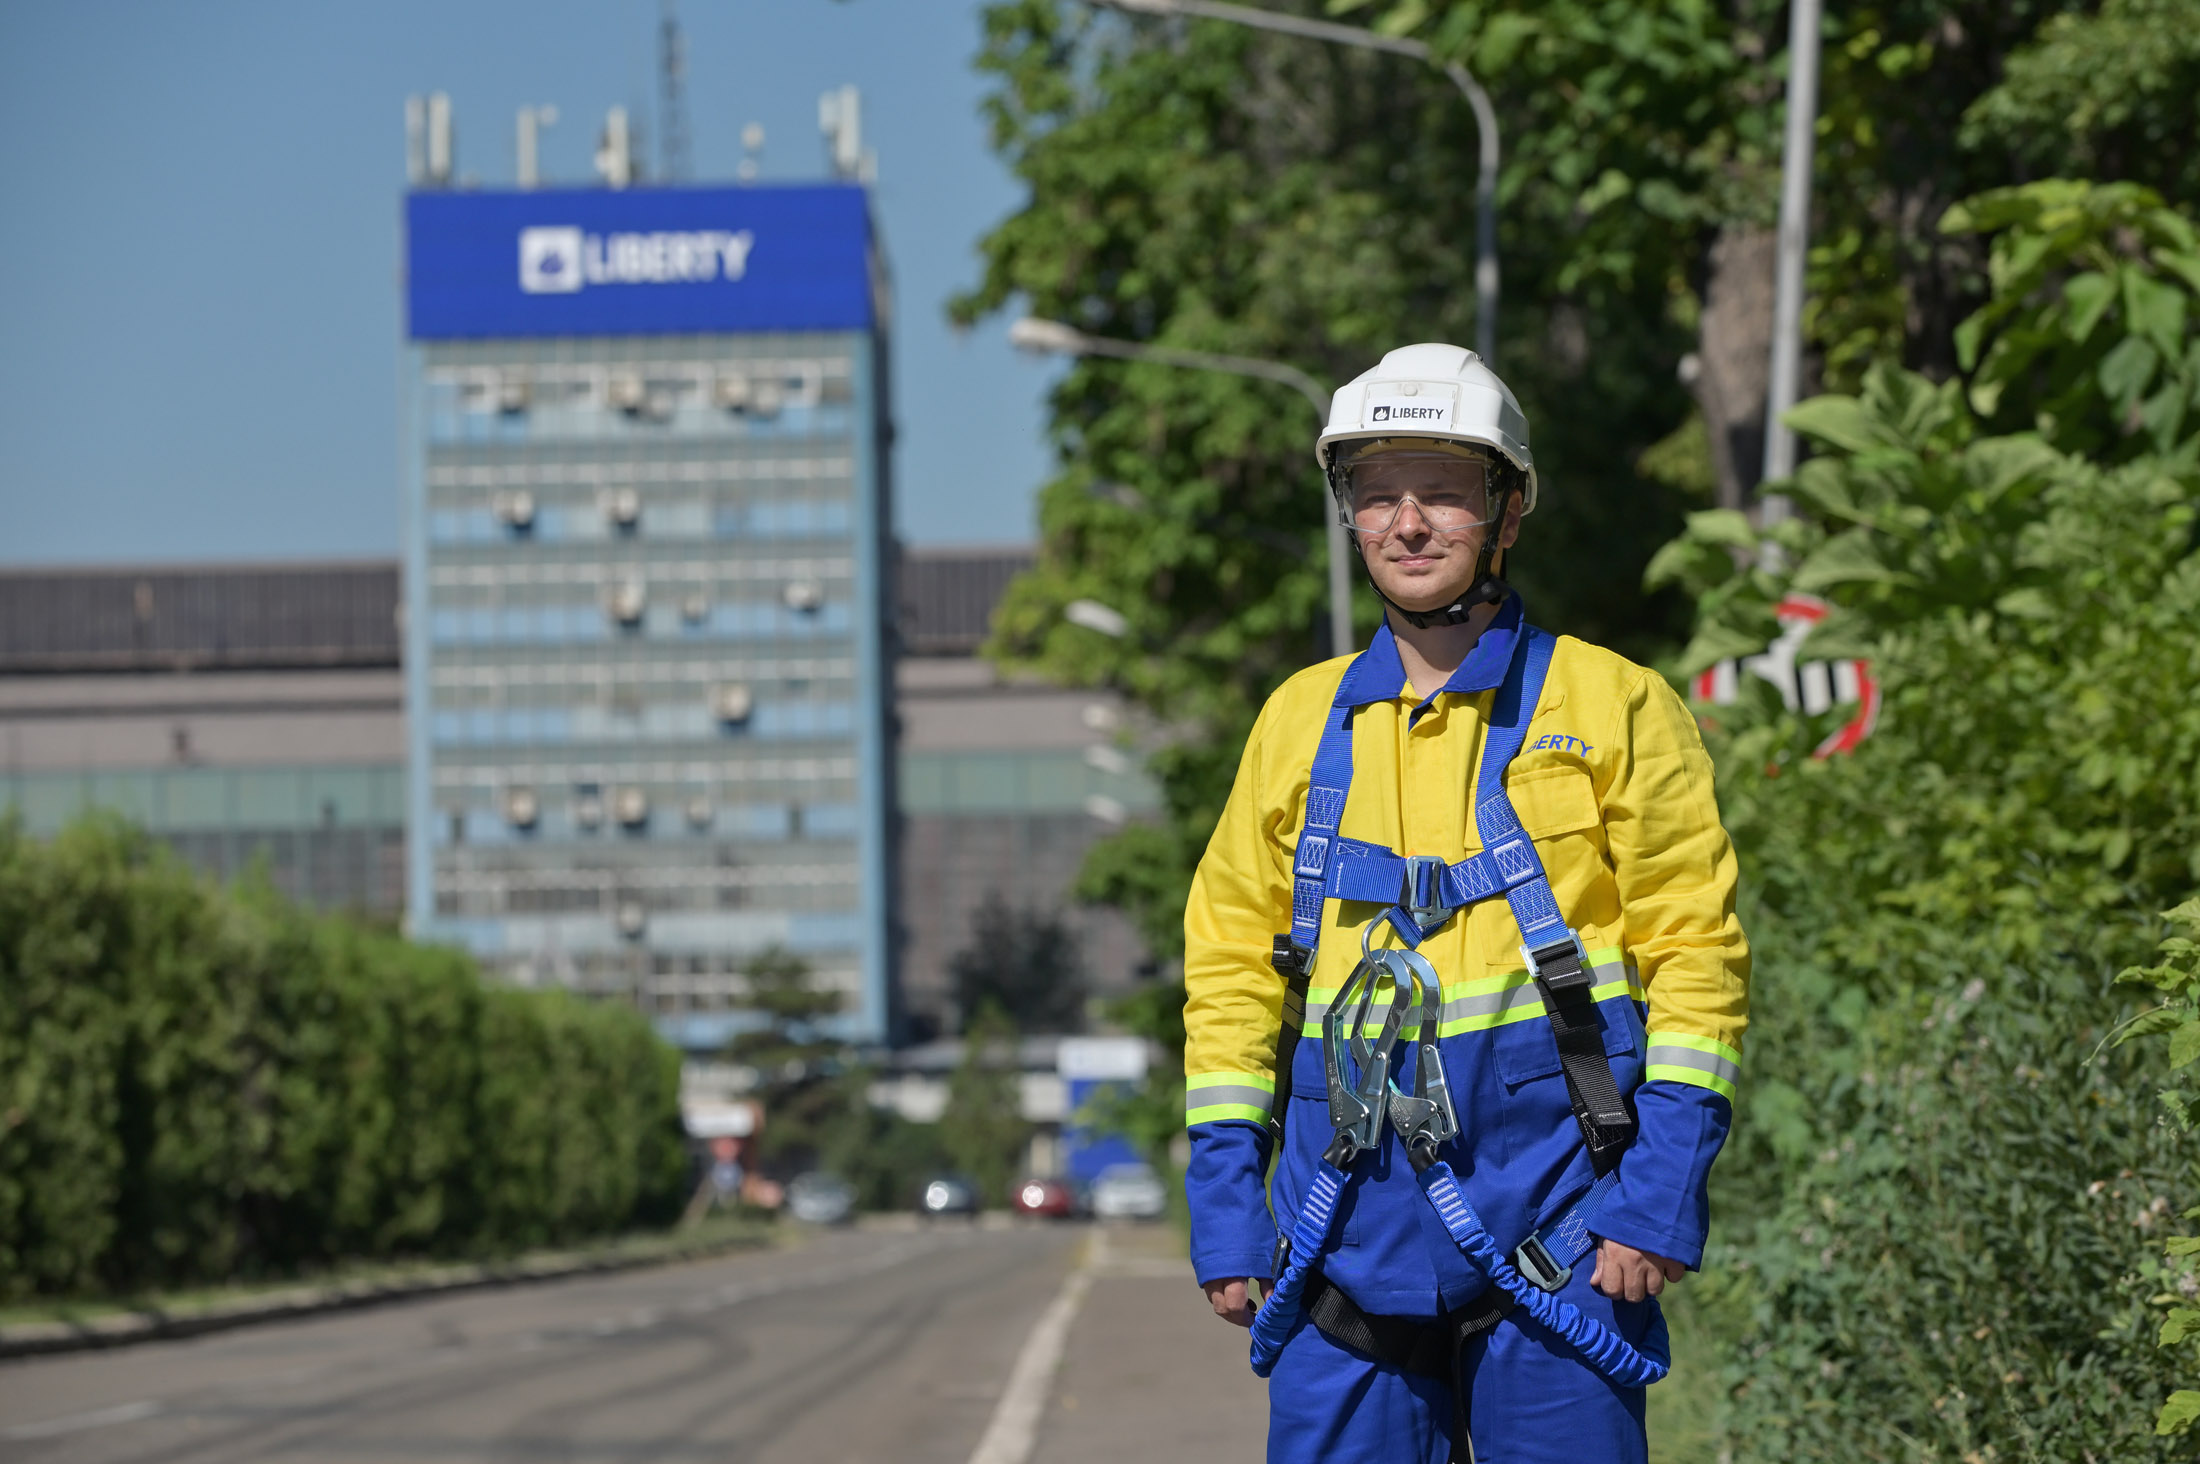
<point>197,1085</point>
<point>1943,1212</point>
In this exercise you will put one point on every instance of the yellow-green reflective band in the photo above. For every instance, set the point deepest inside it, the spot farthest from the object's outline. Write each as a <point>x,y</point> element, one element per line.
<point>1494,1001</point>
<point>1677,1064</point>
<point>1212,1096</point>
<point>1216,1112</point>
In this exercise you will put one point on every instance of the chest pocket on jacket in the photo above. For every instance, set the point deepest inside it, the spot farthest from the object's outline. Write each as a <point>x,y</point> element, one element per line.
<point>1558,807</point>
<point>1553,803</point>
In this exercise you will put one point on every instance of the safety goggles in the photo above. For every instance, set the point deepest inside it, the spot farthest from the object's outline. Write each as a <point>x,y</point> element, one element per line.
<point>1450,492</point>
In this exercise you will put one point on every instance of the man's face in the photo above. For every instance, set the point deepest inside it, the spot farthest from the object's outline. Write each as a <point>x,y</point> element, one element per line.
<point>1421,519</point>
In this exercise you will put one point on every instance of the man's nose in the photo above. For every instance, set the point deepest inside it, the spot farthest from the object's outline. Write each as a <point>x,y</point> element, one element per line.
<point>1410,523</point>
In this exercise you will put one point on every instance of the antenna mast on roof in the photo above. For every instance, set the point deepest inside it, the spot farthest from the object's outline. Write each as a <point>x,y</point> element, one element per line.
<point>672,122</point>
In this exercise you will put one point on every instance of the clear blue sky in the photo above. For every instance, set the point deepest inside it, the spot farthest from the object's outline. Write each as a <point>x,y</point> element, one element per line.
<point>198,245</point>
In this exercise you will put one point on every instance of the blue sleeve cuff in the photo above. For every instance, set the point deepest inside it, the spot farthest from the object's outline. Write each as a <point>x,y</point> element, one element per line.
<point>1662,1204</point>
<point>1226,1188</point>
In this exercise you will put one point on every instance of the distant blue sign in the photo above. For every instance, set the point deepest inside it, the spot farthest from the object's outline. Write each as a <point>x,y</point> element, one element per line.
<point>643,261</point>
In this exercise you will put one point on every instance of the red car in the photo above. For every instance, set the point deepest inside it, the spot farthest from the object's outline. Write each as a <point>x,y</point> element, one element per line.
<point>1048,1197</point>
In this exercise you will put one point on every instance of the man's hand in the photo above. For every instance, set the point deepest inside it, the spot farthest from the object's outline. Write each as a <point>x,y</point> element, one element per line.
<point>1232,1299</point>
<point>1623,1271</point>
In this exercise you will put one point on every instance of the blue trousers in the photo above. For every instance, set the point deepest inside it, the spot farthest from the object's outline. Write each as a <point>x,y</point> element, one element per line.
<point>1530,1398</point>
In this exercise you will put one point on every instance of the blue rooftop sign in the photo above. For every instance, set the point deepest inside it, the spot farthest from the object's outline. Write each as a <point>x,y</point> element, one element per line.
<point>643,261</point>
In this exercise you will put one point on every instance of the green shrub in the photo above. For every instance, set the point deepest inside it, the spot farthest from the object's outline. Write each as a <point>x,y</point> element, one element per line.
<point>1944,1207</point>
<point>197,1085</point>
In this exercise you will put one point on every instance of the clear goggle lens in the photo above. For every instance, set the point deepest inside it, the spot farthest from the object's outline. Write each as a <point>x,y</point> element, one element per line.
<point>1450,493</point>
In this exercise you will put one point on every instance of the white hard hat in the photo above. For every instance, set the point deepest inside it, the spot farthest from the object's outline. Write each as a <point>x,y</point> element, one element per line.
<point>1431,391</point>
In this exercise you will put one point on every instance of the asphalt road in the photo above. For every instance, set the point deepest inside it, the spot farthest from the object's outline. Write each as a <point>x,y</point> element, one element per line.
<point>854,1346</point>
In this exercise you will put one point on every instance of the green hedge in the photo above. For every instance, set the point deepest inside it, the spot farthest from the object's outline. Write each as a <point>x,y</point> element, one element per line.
<point>198,1084</point>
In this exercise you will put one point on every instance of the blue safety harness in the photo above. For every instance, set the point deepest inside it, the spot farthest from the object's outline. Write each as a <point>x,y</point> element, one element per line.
<point>1420,894</point>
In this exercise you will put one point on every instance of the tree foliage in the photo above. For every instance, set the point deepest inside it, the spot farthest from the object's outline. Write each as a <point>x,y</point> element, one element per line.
<point>197,1085</point>
<point>2176,975</point>
<point>1025,963</point>
<point>982,1130</point>
<point>1203,187</point>
<point>1944,1199</point>
<point>800,1066</point>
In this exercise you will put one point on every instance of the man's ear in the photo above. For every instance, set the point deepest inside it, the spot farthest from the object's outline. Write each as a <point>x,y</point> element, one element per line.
<point>1509,534</point>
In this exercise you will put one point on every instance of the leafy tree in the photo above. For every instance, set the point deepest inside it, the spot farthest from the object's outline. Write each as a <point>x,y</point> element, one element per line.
<point>1941,1208</point>
<point>883,1156</point>
<point>1646,137</point>
<point>799,1064</point>
<point>982,1130</point>
<point>1027,963</point>
<point>2107,93</point>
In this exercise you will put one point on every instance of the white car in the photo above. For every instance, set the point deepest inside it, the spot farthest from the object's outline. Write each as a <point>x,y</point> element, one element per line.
<point>1128,1192</point>
<point>820,1199</point>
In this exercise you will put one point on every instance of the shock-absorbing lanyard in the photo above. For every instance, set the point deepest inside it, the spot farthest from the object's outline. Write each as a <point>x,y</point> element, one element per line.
<point>1363,1094</point>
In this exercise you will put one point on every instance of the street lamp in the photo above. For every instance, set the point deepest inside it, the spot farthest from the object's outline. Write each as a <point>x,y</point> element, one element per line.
<point>1794,240</point>
<point>1052,337</point>
<point>1485,122</point>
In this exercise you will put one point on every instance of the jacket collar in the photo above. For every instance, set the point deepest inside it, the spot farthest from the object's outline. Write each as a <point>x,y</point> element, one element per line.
<point>1379,675</point>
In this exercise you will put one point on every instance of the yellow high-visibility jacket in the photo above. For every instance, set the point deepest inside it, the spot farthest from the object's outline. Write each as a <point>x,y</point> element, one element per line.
<point>1614,786</point>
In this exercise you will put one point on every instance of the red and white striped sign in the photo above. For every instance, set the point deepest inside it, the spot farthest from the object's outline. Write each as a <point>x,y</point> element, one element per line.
<point>1810,687</point>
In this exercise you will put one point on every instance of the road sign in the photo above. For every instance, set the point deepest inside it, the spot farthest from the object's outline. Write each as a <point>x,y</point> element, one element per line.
<point>1810,687</point>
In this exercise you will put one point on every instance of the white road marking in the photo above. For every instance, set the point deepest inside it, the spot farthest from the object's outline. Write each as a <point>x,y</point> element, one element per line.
<point>75,1422</point>
<point>1014,1431</point>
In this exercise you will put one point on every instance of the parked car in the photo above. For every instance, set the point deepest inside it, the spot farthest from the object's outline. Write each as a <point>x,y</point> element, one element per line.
<point>948,1194</point>
<point>1128,1192</point>
<point>1048,1197</point>
<point>820,1199</point>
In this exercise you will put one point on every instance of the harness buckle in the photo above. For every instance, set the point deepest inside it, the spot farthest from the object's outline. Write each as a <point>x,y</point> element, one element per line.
<point>1423,895</point>
<point>1535,1261</point>
<point>1547,965</point>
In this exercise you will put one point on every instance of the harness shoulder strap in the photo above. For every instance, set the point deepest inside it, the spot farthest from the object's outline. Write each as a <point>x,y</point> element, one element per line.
<point>1548,944</point>
<point>1328,784</point>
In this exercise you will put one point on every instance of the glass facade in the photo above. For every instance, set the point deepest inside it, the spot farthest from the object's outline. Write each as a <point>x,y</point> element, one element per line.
<point>331,836</point>
<point>648,666</point>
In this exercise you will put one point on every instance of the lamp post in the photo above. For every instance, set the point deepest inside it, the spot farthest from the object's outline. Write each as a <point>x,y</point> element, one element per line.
<point>1794,240</point>
<point>1485,122</point>
<point>1054,338</point>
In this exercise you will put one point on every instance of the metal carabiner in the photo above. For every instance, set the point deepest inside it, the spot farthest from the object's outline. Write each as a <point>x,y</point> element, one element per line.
<point>1357,1106</point>
<point>1428,1118</point>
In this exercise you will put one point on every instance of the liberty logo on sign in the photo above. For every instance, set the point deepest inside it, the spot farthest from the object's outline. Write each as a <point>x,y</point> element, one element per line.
<point>559,261</point>
<point>549,261</point>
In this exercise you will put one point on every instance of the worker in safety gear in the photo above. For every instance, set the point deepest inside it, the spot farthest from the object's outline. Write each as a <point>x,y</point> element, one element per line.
<point>1462,960</point>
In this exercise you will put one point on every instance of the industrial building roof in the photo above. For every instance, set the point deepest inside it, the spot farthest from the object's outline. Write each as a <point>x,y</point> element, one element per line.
<point>199,617</point>
<point>272,616</point>
<point>948,596</point>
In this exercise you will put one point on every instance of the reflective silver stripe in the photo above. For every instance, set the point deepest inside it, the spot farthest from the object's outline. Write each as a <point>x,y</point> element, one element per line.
<point>1688,1057</point>
<point>1231,1093</point>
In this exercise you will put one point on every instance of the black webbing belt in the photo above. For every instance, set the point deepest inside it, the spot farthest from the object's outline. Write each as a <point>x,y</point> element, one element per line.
<point>1568,990</point>
<point>1428,1347</point>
